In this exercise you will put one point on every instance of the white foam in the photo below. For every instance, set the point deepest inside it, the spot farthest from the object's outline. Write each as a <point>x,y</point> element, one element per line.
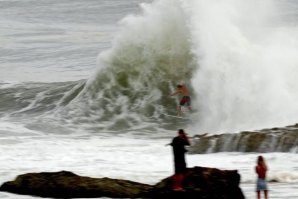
<point>143,160</point>
<point>245,63</point>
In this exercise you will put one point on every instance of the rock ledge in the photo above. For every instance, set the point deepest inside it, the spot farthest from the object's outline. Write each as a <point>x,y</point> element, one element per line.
<point>200,182</point>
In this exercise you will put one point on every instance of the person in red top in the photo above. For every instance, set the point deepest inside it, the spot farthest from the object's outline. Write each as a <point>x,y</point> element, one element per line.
<point>261,170</point>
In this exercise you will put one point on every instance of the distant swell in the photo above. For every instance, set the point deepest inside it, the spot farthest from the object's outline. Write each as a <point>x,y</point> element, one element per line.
<point>36,98</point>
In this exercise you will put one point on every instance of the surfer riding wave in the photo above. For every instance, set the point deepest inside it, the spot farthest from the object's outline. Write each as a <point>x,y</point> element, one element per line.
<point>182,90</point>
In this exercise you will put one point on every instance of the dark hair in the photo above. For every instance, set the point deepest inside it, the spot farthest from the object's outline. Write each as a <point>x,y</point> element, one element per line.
<point>181,131</point>
<point>179,86</point>
<point>261,161</point>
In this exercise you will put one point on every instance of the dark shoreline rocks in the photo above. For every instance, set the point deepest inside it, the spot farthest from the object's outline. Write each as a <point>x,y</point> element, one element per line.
<point>283,139</point>
<point>200,182</point>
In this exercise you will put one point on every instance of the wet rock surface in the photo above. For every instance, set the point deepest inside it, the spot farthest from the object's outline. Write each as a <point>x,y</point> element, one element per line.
<point>284,139</point>
<point>199,182</point>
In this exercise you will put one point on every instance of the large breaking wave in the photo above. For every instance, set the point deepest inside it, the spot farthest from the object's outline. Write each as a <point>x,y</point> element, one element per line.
<point>241,69</point>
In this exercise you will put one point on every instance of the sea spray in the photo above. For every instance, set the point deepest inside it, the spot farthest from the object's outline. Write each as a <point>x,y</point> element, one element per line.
<point>245,65</point>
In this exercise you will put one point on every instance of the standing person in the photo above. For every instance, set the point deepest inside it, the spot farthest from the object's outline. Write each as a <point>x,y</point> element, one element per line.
<point>261,170</point>
<point>178,144</point>
<point>185,100</point>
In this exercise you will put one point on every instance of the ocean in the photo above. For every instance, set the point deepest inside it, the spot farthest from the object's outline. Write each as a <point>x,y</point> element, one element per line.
<point>85,85</point>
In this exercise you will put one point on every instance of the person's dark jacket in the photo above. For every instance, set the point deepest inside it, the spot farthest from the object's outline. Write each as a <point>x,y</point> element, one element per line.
<point>179,150</point>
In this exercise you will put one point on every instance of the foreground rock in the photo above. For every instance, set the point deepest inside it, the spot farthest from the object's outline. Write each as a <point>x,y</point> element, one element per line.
<point>200,182</point>
<point>65,184</point>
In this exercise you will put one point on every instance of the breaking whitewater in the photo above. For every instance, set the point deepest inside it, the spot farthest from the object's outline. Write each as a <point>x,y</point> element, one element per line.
<point>113,121</point>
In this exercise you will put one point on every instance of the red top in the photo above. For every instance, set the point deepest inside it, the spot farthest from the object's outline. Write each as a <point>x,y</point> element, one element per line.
<point>261,171</point>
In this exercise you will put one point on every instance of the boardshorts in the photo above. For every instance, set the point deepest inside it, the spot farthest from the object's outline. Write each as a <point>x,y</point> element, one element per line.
<point>185,101</point>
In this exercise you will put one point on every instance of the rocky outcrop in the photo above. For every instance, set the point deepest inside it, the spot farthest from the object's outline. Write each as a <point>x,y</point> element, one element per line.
<point>66,184</point>
<point>199,182</point>
<point>283,139</point>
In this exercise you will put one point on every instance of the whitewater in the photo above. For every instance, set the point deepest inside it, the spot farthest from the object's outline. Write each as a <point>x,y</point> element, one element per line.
<point>85,85</point>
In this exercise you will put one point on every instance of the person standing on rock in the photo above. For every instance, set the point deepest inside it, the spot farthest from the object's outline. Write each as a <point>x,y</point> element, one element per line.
<point>261,170</point>
<point>178,144</point>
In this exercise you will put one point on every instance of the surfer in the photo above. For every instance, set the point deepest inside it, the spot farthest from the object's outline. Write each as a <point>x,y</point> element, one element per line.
<point>185,100</point>
<point>178,144</point>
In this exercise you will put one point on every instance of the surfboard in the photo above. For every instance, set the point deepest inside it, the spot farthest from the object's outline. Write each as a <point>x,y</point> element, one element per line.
<point>176,116</point>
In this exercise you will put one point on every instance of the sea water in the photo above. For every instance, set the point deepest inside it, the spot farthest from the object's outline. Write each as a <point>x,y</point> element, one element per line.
<point>84,85</point>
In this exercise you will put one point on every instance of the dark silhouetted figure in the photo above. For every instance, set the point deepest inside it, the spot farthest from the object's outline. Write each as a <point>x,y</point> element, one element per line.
<point>178,144</point>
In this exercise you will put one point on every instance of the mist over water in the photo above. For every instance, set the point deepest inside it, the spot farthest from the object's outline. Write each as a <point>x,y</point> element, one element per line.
<point>246,61</point>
